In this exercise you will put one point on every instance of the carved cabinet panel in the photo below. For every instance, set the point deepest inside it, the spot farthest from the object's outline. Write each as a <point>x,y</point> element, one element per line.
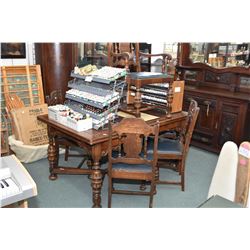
<point>217,76</point>
<point>227,127</point>
<point>220,120</point>
<point>232,121</point>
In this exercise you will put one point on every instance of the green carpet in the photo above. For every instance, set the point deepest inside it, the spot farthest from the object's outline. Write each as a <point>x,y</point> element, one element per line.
<point>75,190</point>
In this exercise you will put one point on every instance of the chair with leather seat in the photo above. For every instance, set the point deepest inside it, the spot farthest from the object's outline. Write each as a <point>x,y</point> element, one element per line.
<point>172,153</point>
<point>131,161</point>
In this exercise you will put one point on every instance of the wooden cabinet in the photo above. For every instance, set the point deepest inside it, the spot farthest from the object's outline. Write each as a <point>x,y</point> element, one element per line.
<point>223,96</point>
<point>56,60</point>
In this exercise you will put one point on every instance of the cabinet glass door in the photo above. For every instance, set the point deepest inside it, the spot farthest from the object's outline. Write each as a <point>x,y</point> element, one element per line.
<point>221,55</point>
<point>92,53</point>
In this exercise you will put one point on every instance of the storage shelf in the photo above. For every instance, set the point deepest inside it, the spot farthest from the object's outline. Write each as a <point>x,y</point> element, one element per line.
<point>90,88</point>
<point>90,102</point>
<point>95,79</point>
<point>92,114</point>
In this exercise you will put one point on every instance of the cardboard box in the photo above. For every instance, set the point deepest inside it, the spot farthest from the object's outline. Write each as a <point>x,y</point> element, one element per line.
<point>80,125</point>
<point>31,131</point>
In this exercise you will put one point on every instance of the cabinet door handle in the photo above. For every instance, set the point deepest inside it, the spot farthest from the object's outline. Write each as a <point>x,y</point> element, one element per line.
<point>208,106</point>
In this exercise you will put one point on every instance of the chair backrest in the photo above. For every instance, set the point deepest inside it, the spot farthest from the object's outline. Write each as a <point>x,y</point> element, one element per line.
<point>54,98</point>
<point>188,129</point>
<point>165,58</point>
<point>121,55</point>
<point>224,177</point>
<point>243,175</point>
<point>131,143</point>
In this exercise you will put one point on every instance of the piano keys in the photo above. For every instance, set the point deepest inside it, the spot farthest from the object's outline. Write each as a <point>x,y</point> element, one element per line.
<point>16,184</point>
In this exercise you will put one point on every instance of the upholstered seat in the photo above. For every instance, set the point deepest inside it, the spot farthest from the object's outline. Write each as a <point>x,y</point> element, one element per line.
<point>129,159</point>
<point>166,146</point>
<point>131,168</point>
<point>172,152</point>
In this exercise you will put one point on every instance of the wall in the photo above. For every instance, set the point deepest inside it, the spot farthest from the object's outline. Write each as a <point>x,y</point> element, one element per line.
<point>29,60</point>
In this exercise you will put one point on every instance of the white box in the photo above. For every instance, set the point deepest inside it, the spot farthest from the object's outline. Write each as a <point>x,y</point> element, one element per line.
<point>57,115</point>
<point>80,125</point>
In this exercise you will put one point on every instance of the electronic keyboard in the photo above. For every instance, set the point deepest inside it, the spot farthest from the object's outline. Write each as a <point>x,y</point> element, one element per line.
<point>16,183</point>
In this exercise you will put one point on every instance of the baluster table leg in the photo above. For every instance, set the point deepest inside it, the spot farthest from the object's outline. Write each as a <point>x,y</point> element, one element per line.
<point>96,177</point>
<point>52,157</point>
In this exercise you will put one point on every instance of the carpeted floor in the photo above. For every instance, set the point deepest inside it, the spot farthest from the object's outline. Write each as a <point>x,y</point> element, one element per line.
<point>75,190</point>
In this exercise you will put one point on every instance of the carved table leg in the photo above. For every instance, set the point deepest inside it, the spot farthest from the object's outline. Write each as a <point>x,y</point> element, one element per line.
<point>89,164</point>
<point>96,184</point>
<point>96,177</point>
<point>52,157</point>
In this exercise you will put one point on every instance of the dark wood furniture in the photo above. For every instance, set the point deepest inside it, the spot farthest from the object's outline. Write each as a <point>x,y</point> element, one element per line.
<point>165,58</point>
<point>122,55</point>
<point>96,144</point>
<point>223,95</point>
<point>173,152</point>
<point>139,80</point>
<point>56,60</point>
<point>131,161</point>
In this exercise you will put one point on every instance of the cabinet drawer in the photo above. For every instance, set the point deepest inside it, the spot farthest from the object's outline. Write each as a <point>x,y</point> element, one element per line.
<point>201,100</point>
<point>231,108</point>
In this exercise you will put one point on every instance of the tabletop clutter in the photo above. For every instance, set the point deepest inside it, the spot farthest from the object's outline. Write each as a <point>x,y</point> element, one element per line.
<point>92,100</point>
<point>66,116</point>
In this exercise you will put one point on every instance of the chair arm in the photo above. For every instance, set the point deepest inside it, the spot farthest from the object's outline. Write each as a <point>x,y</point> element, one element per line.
<point>164,55</point>
<point>129,56</point>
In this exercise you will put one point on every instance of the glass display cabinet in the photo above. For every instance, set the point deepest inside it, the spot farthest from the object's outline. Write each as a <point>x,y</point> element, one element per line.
<point>217,75</point>
<point>220,55</point>
<point>92,53</point>
<point>99,54</point>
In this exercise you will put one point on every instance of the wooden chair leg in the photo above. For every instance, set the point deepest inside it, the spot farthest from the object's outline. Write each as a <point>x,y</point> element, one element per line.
<point>179,167</point>
<point>182,176</point>
<point>66,156</point>
<point>152,191</point>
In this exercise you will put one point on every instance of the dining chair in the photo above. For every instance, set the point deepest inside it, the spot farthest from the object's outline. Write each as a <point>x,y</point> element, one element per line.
<point>172,153</point>
<point>128,157</point>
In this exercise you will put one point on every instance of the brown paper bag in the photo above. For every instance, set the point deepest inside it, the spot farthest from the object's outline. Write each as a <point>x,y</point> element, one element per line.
<point>31,131</point>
